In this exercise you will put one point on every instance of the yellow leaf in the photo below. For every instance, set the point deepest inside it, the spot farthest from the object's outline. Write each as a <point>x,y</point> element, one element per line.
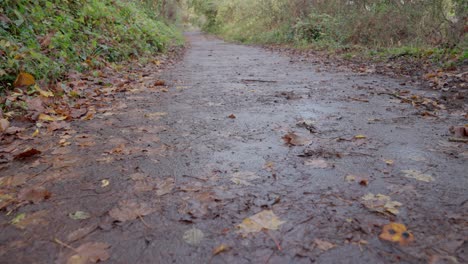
<point>264,220</point>
<point>389,162</point>
<point>360,137</point>
<point>42,92</point>
<point>35,133</point>
<point>46,118</point>
<point>24,79</point>
<point>219,249</point>
<point>105,183</point>
<point>397,233</point>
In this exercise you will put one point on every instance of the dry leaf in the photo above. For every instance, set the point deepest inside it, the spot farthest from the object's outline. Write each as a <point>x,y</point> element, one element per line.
<point>34,195</point>
<point>37,218</point>
<point>323,245</point>
<point>264,220</point>
<point>295,140</point>
<point>130,210</point>
<point>4,124</point>
<point>90,252</point>
<point>159,83</point>
<point>360,137</point>
<point>24,79</point>
<point>165,187</point>
<point>381,203</point>
<point>414,174</point>
<point>397,233</point>
<point>244,177</point>
<point>232,116</point>
<point>316,163</point>
<point>27,153</point>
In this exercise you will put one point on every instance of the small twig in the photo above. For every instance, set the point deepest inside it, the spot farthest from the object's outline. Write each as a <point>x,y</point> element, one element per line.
<point>459,140</point>
<point>144,223</point>
<point>359,99</point>
<point>255,80</point>
<point>274,240</point>
<point>56,240</point>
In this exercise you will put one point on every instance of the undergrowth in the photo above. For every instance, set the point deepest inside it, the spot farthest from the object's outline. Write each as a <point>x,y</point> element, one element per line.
<point>48,38</point>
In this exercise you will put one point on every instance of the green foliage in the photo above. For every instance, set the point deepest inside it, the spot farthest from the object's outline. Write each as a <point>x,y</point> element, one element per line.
<point>47,38</point>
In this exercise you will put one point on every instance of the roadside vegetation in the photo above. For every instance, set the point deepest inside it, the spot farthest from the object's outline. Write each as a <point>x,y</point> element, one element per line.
<point>46,39</point>
<point>434,30</point>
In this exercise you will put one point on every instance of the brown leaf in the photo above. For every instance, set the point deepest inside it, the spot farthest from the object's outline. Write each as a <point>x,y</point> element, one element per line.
<point>165,187</point>
<point>159,83</point>
<point>24,79</point>
<point>90,252</point>
<point>57,125</point>
<point>27,153</point>
<point>323,245</point>
<point>130,210</point>
<point>232,116</point>
<point>34,195</point>
<point>295,140</point>
<point>36,218</point>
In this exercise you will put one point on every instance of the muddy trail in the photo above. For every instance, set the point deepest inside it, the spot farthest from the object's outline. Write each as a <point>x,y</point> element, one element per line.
<point>244,156</point>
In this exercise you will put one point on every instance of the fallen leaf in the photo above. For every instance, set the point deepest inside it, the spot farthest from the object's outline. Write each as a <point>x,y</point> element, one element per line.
<point>155,115</point>
<point>15,180</point>
<point>414,174</point>
<point>219,249</point>
<point>264,220</point>
<point>165,187</point>
<point>350,178</point>
<point>193,236</point>
<point>79,215</point>
<point>389,162</point>
<point>159,83</point>
<point>317,163</point>
<point>24,79</point>
<point>232,116</point>
<point>90,252</point>
<point>42,92</point>
<point>397,233</point>
<point>4,124</point>
<point>295,140</point>
<point>130,210</point>
<point>381,203</point>
<point>35,133</point>
<point>35,194</point>
<point>360,137</point>
<point>27,153</point>
<point>244,177</point>
<point>23,220</point>
<point>105,183</point>
<point>323,245</point>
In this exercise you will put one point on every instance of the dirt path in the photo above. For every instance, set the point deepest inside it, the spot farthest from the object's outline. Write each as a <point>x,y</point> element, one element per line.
<point>167,174</point>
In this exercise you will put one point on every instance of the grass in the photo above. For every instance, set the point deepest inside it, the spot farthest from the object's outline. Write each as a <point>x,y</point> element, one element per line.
<point>49,38</point>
